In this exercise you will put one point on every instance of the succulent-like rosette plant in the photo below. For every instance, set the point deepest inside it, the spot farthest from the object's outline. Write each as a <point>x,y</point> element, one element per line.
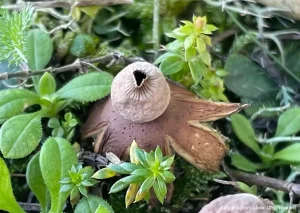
<point>146,171</point>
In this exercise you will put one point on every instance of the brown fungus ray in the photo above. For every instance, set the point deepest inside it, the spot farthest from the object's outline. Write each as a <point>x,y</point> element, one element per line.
<point>180,126</point>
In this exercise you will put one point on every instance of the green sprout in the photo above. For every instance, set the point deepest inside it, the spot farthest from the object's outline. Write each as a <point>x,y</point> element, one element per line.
<point>66,128</point>
<point>188,61</point>
<point>77,182</point>
<point>146,171</point>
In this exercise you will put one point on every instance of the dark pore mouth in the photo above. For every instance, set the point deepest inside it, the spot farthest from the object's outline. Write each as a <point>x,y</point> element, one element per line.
<point>139,77</point>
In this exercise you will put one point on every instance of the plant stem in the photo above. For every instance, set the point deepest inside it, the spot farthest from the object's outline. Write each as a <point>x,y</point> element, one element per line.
<point>264,181</point>
<point>278,139</point>
<point>156,8</point>
<point>270,109</point>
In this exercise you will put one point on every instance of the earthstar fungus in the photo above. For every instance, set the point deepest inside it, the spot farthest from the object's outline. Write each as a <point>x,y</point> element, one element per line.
<point>140,92</point>
<point>179,126</point>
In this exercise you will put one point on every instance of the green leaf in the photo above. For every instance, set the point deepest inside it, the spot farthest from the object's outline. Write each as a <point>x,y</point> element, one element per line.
<point>131,194</point>
<point>82,45</point>
<point>123,168</point>
<point>90,11</point>
<point>124,182</point>
<point>147,184</point>
<point>167,176</point>
<point>149,159</point>
<point>89,87</point>
<point>39,51</point>
<point>243,163</point>
<point>53,123</point>
<point>20,135</point>
<point>160,189</point>
<point>101,209</point>
<point>104,173</point>
<point>245,188</point>
<point>288,123</point>
<point>244,131</point>
<point>56,159</point>
<point>165,56</point>
<point>171,65</point>
<point>189,42</point>
<point>197,69</point>
<point>14,101</point>
<point>83,190</point>
<point>290,154</point>
<point>248,80</point>
<point>168,162</point>
<point>210,28</point>
<point>205,57</point>
<point>47,84</point>
<point>67,187</point>
<point>141,157</point>
<point>7,202</point>
<point>174,46</point>
<point>158,155</point>
<point>142,172</point>
<point>201,46</point>
<point>36,182</point>
<point>90,204</point>
<point>190,53</point>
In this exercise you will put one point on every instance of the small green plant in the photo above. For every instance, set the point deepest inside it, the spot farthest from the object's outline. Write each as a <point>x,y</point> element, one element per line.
<point>146,171</point>
<point>14,27</point>
<point>266,149</point>
<point>188,61</point>
<point>77,182</point>
<point>64,128</point>
<point>21,132</point>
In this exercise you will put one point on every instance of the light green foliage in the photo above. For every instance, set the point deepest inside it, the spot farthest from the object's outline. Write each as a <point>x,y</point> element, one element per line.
<point>36,182</point>
<point>7,202</point>
<point>40,49</point>
<point>13,30</point>
<point>192,67</point>
<point>77,182</point>
<point>92,204</point>
<point>47,84</point>
<point>56,159</point>
<point>253,82</point>
<point>20,135</point>
<point>146,171</point>
<point>244,132</point>
<point>266,152</point>
<point>289,154</point>
<point>83,45</point>
<point>89,87</point>
<point>64,128</point>
<point>14,101</point>
<point>289,122</point>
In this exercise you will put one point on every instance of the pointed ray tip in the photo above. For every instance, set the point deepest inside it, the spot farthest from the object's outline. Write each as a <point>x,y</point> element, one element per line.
<point>244,106</point>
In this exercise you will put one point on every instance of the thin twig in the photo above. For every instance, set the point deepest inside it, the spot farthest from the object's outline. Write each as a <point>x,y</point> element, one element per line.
<point>264,181</point>
<point>78,64</point>
<point>66,4</point>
